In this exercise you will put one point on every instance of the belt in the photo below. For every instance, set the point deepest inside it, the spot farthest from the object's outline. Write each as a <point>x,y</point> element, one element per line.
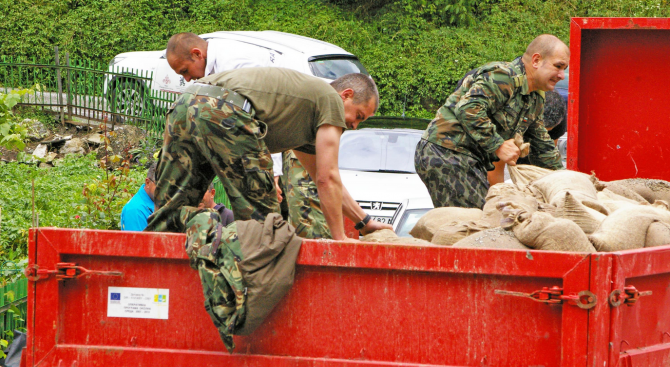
<point>227,95</point>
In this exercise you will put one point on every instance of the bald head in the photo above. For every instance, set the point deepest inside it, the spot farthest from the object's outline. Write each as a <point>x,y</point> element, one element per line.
<point>181,44</point>
<point>546,45</point>
<point>545,61</point>
<point>187,55</point>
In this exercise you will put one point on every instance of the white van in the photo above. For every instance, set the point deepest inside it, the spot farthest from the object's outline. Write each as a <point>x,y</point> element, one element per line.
<point>304,54</point>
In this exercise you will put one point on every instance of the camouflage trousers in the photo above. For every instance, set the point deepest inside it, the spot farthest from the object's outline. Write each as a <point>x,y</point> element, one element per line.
<point>214,251</point>
<point>304,207</point>
<point>452,179</point>
<point>206,137</point>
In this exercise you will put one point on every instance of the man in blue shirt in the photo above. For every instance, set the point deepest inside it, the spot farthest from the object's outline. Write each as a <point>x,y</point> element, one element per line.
<point>135,213</point>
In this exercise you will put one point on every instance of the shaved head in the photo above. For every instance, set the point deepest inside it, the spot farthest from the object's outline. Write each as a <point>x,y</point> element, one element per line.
<point>545,45</point>
<point>545,61</point>
<point>181,44</point>
<point>187,55</point>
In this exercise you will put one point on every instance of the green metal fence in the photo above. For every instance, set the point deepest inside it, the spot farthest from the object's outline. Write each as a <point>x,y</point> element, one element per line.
<point>13,297</point>
<point>93,93</point>
<point>88,91</point>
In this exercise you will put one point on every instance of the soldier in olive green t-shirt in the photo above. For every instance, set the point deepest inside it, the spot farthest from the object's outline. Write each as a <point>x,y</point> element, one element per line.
<point>229,123</point>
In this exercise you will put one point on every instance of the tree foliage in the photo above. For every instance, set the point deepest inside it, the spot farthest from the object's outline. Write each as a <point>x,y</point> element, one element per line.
<point>415,49</point>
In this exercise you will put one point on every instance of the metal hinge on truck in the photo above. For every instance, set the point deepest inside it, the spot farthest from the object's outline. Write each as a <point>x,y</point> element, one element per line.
<point>628,296</point>
<point>64,271</point>
<point>554,295</point>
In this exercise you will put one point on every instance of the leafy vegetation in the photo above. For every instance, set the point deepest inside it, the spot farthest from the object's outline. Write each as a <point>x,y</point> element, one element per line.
<point>76,193</point>
<point>12,131</point>
<point>415,49</point>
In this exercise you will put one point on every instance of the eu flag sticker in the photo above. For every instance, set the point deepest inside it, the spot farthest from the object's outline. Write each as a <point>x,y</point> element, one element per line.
<point>115,296</point>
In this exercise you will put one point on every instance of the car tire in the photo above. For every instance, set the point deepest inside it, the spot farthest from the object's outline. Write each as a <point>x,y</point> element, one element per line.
<point>128,99</point>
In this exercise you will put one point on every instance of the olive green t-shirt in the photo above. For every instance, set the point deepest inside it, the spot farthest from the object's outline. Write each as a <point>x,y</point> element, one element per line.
<point>293,105</point>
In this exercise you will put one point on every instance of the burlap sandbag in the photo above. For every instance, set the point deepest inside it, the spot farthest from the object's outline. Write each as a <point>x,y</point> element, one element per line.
<point>504,192</point>
<point>453,232</point>
<point>523,174</point>
<point>621,190</point>
<point>383,235</point>
<point>388,236</point>
<point>542,231</point>
<point>658,234</point>
<point>626,228</point>
<point>427,225</point>
<point>650,190</point>
<point>495,238</point>
<point>586,218</point>
<point>552,187</point>
<point>614,202</point>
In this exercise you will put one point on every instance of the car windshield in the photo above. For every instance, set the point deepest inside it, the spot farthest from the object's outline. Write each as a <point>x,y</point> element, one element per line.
<point>378,150</point>
<point>335,67</point>
<point>408,221</point>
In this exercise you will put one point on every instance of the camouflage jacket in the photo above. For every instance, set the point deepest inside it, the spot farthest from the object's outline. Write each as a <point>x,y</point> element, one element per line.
<point>490,107</point>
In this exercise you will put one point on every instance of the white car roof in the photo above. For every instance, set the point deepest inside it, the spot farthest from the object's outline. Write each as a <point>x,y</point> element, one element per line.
<point>281,41</point>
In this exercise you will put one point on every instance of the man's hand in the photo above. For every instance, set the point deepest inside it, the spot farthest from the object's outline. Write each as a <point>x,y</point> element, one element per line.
<point>373,226</point>
<point>279,198</point>
<point>508,152</point>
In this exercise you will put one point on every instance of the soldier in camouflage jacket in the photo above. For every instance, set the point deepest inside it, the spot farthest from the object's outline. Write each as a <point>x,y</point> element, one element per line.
<point>477,124</point>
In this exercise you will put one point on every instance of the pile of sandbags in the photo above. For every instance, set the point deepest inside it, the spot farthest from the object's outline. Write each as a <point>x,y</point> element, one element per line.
<point>388,236</point>
<point>426,227</point>
<point>553,211</point>
<point>496,238</point>
<point>639,189</point>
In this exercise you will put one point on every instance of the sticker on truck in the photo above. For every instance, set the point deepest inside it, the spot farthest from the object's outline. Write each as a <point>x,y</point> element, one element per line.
<point>142,303</point>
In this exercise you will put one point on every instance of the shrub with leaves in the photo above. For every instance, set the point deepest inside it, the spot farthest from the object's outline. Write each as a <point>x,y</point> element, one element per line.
<point>58,198</point>
<point>8,336</point>
<point>12,131</point>
<point>104,198</point>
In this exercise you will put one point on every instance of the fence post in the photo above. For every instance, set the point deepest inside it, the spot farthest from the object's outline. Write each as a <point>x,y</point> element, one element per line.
<point>60,86</point>
<point>69,95</point>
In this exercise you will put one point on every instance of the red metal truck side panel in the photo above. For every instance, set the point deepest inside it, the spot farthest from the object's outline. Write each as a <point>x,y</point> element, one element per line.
<point>599,318</point>
<point>618,110</point>
<point>641,332</point>
<point>353,304</point>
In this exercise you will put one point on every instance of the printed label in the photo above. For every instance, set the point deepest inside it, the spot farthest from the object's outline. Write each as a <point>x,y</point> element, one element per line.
<point>143,303</point>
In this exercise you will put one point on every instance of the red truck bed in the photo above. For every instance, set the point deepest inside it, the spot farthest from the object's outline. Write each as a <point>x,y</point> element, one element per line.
<point>353,304</point>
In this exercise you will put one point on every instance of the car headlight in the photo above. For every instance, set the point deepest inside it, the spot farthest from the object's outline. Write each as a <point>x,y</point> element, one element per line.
<point>116,60</point>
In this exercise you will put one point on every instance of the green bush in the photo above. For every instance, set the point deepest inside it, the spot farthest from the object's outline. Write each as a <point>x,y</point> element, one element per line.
<point>12,131</point>
<point>58,199</point>
<point>416,49</point>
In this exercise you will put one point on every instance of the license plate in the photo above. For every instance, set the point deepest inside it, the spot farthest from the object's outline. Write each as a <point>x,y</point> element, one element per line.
<point>386,220</point>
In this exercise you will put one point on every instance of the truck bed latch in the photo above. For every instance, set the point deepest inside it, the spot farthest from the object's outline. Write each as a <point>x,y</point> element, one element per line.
<point>64,271</point>
<point>554,295</point>
<point>628,296</point>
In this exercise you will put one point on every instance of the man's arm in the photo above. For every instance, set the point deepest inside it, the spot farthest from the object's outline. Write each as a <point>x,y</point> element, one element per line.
<point>323,166</point>
<point>324,170</point>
